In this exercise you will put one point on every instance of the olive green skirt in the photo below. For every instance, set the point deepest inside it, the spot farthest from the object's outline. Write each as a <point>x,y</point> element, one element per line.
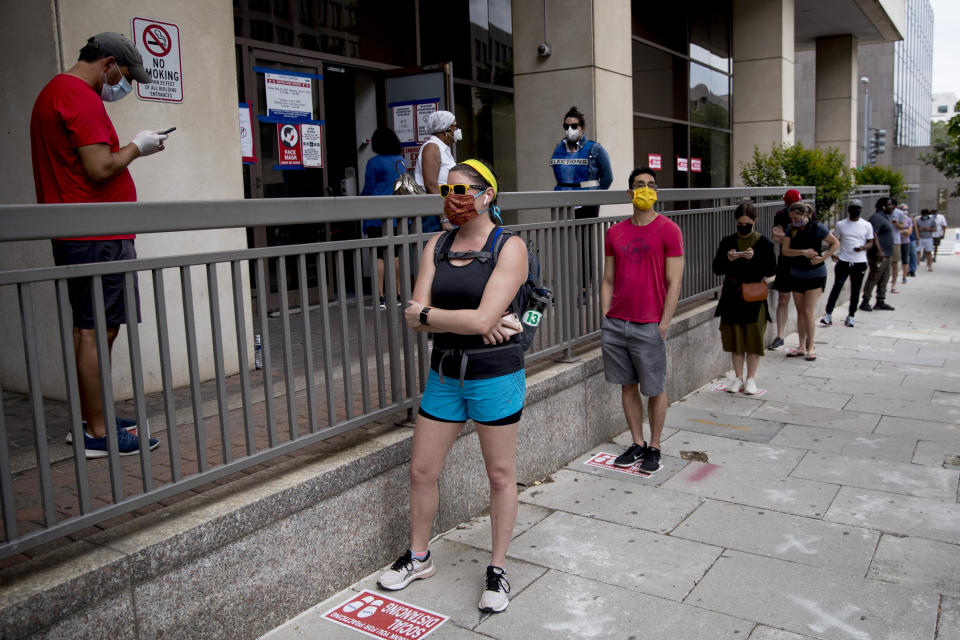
<point>744,338</point>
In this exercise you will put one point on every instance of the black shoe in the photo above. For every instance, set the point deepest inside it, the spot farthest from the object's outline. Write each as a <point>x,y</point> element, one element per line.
<point>882,306</point>
<point>651,460</point>
<point>631,456</point>
<point>865,306</point>
<point>777,342</point>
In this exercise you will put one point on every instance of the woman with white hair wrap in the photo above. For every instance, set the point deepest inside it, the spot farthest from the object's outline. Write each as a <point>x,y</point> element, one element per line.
<point>435,159</point>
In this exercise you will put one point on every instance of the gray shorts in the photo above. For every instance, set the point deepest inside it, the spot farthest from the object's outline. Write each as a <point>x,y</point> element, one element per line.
<point>634,353</point>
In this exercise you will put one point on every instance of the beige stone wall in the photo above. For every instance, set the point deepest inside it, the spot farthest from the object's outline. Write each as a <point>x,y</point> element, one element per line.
<point>837,91</point>
<point>202,161</point>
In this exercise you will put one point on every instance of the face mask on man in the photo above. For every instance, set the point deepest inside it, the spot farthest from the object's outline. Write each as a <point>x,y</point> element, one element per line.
<point>854,214</point>
<point>113,92</point>
<point>644,198</point>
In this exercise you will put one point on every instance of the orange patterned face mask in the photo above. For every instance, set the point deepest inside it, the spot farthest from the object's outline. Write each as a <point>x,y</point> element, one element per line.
<point>460,209</point>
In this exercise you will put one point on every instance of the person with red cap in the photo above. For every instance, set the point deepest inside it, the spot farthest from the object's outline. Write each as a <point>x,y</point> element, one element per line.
<point>781,223</point>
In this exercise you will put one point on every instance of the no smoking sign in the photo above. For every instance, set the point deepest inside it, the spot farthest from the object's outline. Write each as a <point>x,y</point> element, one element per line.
<point>159,44</point>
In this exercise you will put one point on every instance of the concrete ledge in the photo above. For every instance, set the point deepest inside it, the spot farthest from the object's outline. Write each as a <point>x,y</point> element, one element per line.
<point>239,560</point>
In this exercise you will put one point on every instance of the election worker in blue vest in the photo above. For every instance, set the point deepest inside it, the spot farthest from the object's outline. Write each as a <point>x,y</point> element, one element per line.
<point>580,163</point>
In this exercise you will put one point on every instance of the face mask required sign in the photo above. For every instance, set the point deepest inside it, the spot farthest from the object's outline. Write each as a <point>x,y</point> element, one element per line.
<point>159,45</point>
<point>378,616</point>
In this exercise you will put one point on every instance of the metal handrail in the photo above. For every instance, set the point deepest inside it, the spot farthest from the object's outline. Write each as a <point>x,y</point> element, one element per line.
<point>333,364</point>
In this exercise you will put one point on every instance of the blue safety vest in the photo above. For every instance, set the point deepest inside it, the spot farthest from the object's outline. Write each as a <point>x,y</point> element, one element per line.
<point>572,169</point>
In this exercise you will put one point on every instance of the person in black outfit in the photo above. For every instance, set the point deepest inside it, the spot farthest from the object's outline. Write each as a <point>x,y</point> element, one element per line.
<point>781,224</point>
<point>808,273</point>
<point>743,257</point>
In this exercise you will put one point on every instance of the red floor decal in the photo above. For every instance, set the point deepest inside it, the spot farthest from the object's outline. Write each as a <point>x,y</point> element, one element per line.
<point>379,616</point>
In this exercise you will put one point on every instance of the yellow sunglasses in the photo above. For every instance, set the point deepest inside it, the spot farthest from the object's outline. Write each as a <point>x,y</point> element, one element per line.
<point>459,189</point>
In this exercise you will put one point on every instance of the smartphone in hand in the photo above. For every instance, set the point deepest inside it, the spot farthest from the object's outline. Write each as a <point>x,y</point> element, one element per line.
<point>166,131</point>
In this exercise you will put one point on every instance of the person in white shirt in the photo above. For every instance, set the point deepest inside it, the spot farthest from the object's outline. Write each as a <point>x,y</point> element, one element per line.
<point>855,236</point>
<point>435,159</point>
<point>938,233</point>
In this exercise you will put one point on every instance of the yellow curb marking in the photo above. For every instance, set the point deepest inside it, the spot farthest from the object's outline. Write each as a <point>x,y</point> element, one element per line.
<point>720,424</point>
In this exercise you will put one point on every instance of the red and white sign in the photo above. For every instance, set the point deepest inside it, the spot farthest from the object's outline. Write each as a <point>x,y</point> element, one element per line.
<point>379,616</point>
<point>246,134</point>
<point>696,165</point>
<point>424,111</point>
<point>159,45</point>
<point>655,161</point>
<point>605,461</point>
<point>681,164</point>
<point>289,151</point>
<point>410,153</point>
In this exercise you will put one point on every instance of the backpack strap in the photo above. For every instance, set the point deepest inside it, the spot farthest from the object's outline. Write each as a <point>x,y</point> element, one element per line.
<point>442,248</point>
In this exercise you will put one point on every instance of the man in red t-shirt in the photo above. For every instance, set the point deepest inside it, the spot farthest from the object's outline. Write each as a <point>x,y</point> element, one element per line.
<point>77,157</point>
<point>642,272</point>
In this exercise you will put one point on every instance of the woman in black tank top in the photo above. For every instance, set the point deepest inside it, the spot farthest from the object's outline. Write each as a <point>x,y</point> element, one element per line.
<point>476,372</point>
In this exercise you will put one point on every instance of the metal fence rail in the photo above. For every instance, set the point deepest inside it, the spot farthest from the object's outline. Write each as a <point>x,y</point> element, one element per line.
<point>327,367</point>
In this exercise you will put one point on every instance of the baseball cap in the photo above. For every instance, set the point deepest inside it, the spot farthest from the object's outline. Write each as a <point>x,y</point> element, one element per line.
<point>856,202</point>
<point>116,45</point>
<point>791,196</point>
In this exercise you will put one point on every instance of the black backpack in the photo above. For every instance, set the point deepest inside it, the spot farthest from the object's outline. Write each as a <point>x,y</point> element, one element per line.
<point>442,252</point>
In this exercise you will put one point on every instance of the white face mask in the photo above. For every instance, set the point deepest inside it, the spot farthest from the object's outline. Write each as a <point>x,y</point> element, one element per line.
<point>113,92</point>
<point>457,135</point>
<point>574,134</point>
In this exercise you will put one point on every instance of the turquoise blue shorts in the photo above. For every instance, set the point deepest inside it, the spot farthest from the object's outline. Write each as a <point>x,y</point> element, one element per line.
<point>488,401</point>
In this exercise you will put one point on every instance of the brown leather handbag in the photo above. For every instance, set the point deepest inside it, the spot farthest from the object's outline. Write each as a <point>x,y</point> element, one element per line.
<point>754,291</point>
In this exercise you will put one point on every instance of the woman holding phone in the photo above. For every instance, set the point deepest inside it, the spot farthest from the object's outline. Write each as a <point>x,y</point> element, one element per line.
<point>476,370</point>
<point>743,257</point>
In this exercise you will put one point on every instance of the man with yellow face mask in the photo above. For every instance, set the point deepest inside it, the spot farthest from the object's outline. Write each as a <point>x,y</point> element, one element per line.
<point>642,271</point>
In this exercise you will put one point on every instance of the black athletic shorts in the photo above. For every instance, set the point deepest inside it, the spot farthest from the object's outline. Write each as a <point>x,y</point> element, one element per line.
<point>81,289</point>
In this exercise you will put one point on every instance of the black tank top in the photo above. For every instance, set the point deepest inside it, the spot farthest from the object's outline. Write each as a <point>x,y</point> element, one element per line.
<point>462,288</point>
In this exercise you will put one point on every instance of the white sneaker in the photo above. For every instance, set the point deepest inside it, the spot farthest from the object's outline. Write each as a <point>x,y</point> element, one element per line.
<point>405,570</point>
<point>735,386</point>
<point>494,596</point>
<point>848,322</point>
<point>826,320</point>
<point>750,388</point>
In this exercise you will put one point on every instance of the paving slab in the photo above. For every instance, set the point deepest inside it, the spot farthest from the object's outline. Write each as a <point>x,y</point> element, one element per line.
<point>915,562</point>
<point>845,443</point>
<point>634,505</point>
<point>456,587</point>
<point>476,532</point>
<point>789,495</point>
<point>847,420</point>
<point>900,358</point>
<point>814,601</point>
<point>948,398</point>
<point>625,439</point>
<point>775,378</point>
<point>856,371</point>
<point>722,424</point>
<point>922,429</point>
<point>949,626</point>
<point>936,454</point>
<point>841,548</point>
<point>804,397</point>
<point>892,477</point>
<point>669,465</point>
<point>760,458</point>
<point>616,554</point>
<point>905,515</point>
<point>903,408</point>
<point>734,404</point>
<point>862,387</point>
<point>560,606</point>
<point>939,380</point>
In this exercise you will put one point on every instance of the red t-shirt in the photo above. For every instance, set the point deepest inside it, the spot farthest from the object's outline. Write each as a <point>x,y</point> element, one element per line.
<point>66,115</point>
<point>640,253</point>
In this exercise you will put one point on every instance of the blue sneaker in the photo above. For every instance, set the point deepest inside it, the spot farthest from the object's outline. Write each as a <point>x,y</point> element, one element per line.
<point>122,423</point>
<point>127,444</point>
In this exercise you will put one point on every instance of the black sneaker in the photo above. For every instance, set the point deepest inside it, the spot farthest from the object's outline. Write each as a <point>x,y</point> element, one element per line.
<point>777,342</point>
<point>882,306</point>
<point>651,460</point>
<point>631,456</point>
<point>865,306</point>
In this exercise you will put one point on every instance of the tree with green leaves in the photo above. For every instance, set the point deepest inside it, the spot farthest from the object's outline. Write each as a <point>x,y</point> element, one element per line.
<point>882,175</point>
<point>795,165</point>
<point>945,155</point>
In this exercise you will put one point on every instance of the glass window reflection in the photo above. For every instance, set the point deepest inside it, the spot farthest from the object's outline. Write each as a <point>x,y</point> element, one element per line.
<point>709,97</point>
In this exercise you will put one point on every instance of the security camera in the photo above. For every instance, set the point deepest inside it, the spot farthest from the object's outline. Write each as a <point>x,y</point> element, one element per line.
<point>544,50</point>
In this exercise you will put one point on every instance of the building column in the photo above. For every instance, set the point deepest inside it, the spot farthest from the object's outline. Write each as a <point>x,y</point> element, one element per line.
<point>837,86</point>
<point>589,67</point>
<point>763,59</point>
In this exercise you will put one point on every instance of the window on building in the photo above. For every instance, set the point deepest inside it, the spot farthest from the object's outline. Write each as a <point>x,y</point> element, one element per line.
<point>941,108</point>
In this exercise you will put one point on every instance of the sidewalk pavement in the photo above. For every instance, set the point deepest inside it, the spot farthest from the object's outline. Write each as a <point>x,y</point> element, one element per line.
<point>828,507</point>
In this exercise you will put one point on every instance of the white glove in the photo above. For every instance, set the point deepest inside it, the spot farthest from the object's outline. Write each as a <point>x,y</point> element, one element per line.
<point>149,142</point>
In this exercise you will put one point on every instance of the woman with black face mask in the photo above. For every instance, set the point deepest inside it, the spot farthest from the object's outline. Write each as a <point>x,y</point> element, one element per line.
<point>744,258</point>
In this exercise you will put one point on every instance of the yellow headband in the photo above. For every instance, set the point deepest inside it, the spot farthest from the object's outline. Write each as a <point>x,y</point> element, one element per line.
<point>487,175</point>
